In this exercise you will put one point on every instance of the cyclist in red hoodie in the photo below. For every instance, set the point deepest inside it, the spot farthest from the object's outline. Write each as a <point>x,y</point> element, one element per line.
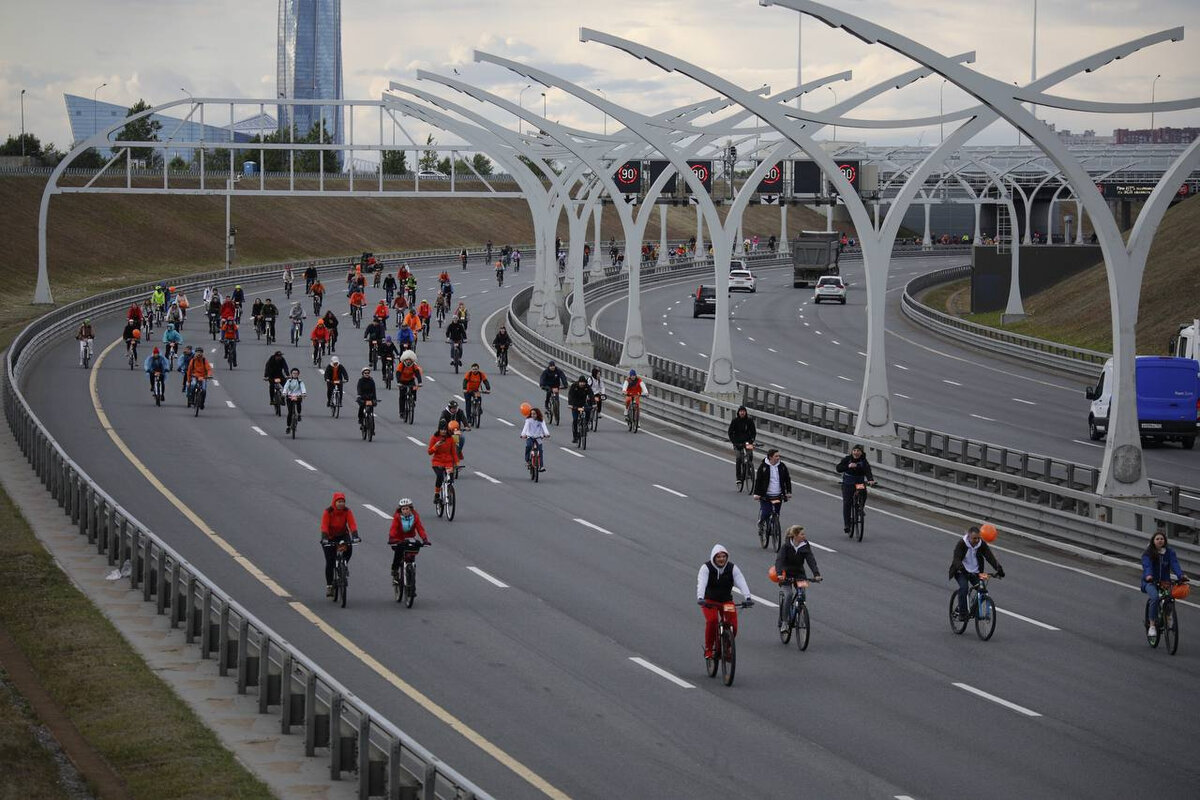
<point>337,525</point>
<point>406,527</point>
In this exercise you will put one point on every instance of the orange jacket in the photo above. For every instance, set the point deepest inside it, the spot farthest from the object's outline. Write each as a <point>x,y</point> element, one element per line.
<point>319,334</point>
<point>358,299</point>
<point>318,288</point>
<point>473,380</point>
<point>424,310</point>
<point>413,322</point>
<point>444,452</point>
<point>381,310</point>
<point>334,522</point>
<point>199,368</point>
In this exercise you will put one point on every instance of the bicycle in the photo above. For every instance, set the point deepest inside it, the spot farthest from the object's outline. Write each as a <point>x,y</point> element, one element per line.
<point>404,581</point>
<point>768,530</point>
<point>85,352</point>
<point>356,316</point>
<point>277,396</point>
<point>440,313</point>
<point>389,373</point>
<point>157,388</point>
<point>341,575</point>
<point>197,393</point>
<point>297,332</point>
<point>500,278</point>
<point>214,324</point>
<point>600,398</point>
<point>581,426</point>
<point>237,313</point>
<point>260,327</point>
<point>318,299</point>
<point>794,617</point>
<point>131,352</point>
<point>456,355</point>
<point>231,353</point>
<point>743,467</point>
<point>425,329</point>
<point>445,500</point>
<point>293,417</point>
<point>367,426</point>
<point>724,656</point>
<point>474,402</point>
<point>408,402</point>
<point>858,511</point>
<point>552,406</point>
<point>335,401</point>
<point>980,607</point>
<point>633,415</point>
<point>502,360</point>
<point>287,289</point>
<point>1167,622</point>
<point>269,324</point>
<point>535,461</point>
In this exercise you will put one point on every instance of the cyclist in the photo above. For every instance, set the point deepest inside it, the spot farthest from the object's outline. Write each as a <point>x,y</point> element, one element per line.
<point>440,305</point>
<point>500,273</point>
<point>633,387</point>
<point>158,299</point>
<point>155,363</point>
<point>443,279</point>
<point>239,300</point>
<point>230,336</point>
<point>533,432</point>
<point>337,525</point>
<point>406,527</point>
<point>402,275</point>
<point>256,314</point>
<point>772,482</point>
<point>516,259</point>
<point>579,397</point>
<point>310,277</point>
<point>276,368</point>
<point>294,392</point>
<point>335,374</point>
<point>388,352</point>
<point>714,584</point>
<point>789,565</point>
<point>297,315</point>
<point>742,431</point>
<point>331,325</point>
<point>855,469</point>
<point>319,338</point>
<point>171,339</point>
<point>148,314</point>
<point>317,290</point>
<point>358,302</point>
<point>452,413</point>
<point>444,455</point>
<point>410,287</point>
<point>413,323</point>
<point>381,311</point>
<point>132,335</point>
<point>408,373</point>
<point>365,391</point>
<point>184,305</point>
<point>134,313</point>
<point>596,385</point>
<point>1159,562</point>
<point>270,312</point>
<point>448,293</point>
<point>288,280</point>
<point>213,306</point>
<point>462,315</point>
<point>199,370</point>
<point>174,315</point>
<point>374,335</point>
<point>389,288</point>
<point>405,337</point>
<point>85,336</point>
<point>185,358</point>
<point>399,304</point>
<point>472,381</point>
<point>351,277</point>
<point>967,563</point>
<point>502,341</point>
<point>229,309</point>
<point>424,312</point>
<point>487,253</point>
<point>456,331</point>
<point>551,380</point>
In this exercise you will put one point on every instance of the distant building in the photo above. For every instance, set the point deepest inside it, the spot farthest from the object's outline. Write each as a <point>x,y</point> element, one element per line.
<point>1087,137</point>
<point>1155,136</point>
<point>309,64</point>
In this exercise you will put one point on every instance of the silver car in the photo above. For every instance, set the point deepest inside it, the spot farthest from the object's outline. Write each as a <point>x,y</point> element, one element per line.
<point>830,287</point>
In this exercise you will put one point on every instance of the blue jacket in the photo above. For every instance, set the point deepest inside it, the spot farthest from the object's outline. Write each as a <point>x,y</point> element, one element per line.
<point>172,335</point>
<point>156,363</point>
<point>1168,564</point>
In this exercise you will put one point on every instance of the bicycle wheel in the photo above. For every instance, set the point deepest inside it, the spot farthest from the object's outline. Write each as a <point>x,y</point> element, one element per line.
<point>370,427</point>
<point>957,625</point>
<point>555,411</point>
<point>728,658</point>
<point>710,664</point>
<point>802,627</point>
<point>739,473</point>
<point>411,407</point>
<point>596,415</point>
<point>985,618</point>
<point>859,519</point>
<point>362,429</point>
<point>439,505</point>
<point>337,404</point>
<point>410,584</point>
<point>451,502</point>
<point>1171,628</point>
<point>535,461</point>
<point>635,417</point>
<point>773,532</point>
<point>583,432</point>
<point>785,627</point>
<point>398,587</point>
<point>764,535</point>
<point>345,589</point>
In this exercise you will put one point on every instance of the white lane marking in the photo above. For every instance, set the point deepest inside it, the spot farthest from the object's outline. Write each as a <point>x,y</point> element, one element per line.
<point>258,430</point>
<point>903,797</point>
<point>662,673</point>
<point>777,386</point>
<point>762,600</point>
<point>818,333</point>
<point>431,379</point>
<point>751,338</point>
<point>835,341</point>
<point>416,441</point>
<point>772,350</point>
<point>1030,620</point>
<point>670,333</point>
<point>843,377</point>
<point>702,355</point>
<point>664,324</point>
<point>593,526</point>
<point>806,325</point>
<point>952,383</point>
<point>230,404</point>
<point>485,291</point>
<point>802,363</point>
<point>376,511</point>
<point>572,452</point>
<point>506,422</point>
<point>669,491</point>
<point>488,578</point>
<point>985,419</point>
<point>486,477</point>
<point>1089,444</point>
<point>838,405</point>
<point>215,382</point>
<point>306,465</point>
<point>739,330</point>
<point>906,397</point>
<point>973,362</point>
<point>1000,700</point>
<point>900,366</point>
<point>821,547</point>
<point>1026,402</point>
<point>861,353</point>
<point>683,343</point>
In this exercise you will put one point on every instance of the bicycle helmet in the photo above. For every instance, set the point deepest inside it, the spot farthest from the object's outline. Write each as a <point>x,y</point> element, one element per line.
<point>335,360</point>
<point>87,322</point>
<point>366,370</point>
<point>404,501</point>
<point>452,404</point>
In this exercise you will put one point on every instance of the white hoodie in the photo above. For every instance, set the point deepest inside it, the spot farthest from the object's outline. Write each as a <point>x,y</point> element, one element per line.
<point>739,580</point>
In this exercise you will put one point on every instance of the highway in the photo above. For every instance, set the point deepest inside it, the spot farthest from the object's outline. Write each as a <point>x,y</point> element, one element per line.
<point>782,341</point>
<point>555,645</point>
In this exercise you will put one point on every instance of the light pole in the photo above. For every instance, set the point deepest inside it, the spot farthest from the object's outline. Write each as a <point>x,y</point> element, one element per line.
<point>95,125</point>
<point>543,105</point>
<point>1033,57</point>
<point>830,88</point>
<point>230,231</point>
<point>1153,86</point>
<point>941,125</point>
<point>605,96</point>
<point>189,94</point>
<point>22,124</point>
<point>521,102</point>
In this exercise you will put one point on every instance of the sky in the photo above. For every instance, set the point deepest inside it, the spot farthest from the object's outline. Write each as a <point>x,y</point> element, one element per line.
<point>156,49</point>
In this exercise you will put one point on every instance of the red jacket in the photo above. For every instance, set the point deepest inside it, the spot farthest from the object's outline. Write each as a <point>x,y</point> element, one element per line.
<point>396,534</point>
<point>444,452</point>
<point>335,523</point>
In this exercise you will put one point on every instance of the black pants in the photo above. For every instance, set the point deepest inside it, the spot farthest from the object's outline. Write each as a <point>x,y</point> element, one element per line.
<point>294,408</point>
<point>847,503</point>
<point>402,553</point>
<point>330,548</point>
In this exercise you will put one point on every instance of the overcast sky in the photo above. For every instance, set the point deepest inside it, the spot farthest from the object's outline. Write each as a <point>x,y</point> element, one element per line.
<point>154,48</point>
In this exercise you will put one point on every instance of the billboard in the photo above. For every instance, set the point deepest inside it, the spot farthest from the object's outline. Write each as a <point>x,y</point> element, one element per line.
<point>806,176</point>
<point>656,168</point>
<point>629,177</point>
<point>703,171</point>
<point>772,181</point>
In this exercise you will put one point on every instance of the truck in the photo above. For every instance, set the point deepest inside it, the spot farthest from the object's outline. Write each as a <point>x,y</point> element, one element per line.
<point>1183,343</point>
<point>1168,399</point>
<point>814,253</point>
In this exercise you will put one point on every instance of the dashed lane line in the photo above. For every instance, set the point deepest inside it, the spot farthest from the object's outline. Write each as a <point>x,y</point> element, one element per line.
<point>376,511</point>
<point>952,383</point>
<point>572,452</point>
<point>669,491</point>
<point>777,386</point>
<point>660,672</point>
<point>998,700</point>
<point>416,441</point>
<point>985,419</point>
<point>258,430</point>
<point>1089,444</point>
<point>900,366</point>
<point>305,464</point>
<point>844,378</point>
<point>230,404</point>
<point>1025,402</point>
<point>906,397</point>
<point>1030,620</point>
<point>593,526</point>
<point>489,578</point>
<point>505,422</point>
<point>486,477</point>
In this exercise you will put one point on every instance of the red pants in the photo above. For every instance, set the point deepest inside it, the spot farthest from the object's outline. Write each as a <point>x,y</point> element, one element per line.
<point>710,627</point>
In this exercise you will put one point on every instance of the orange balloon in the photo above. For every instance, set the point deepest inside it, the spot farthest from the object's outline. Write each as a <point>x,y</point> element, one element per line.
<point>1180,591</point>
<point>137,334</point>
<point>773,575</point>
<point>526,409</point>
<point>987,532</point>
<point>453,426</point>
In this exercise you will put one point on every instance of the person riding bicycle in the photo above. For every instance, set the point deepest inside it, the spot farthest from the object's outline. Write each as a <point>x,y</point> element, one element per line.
<point>381,310</point>
<point>213,306</point>
<point>410,288</point>
<point>288,278</point>
<point>294,392</point>
<point>310,277</point>
<point>413,323</point>
<point>374,334</point>
<point>319,338</point>
<point>533,431</point>
<point>444,455</point>
<point>358,302</point>
<point>297,315</point>
<point>790,562</point>
<point>462,315</point>
<point>230,332</point>
<point>199,370</point>
<point>317,290</point>
<point>714,584</point>
<point>155,363</point>
<point>742,430</point>
<point>228,309</point>
<point>269,312</point>
<point>634,387</point>
<point>771,483</point>
<point>516,260</point>
<point>406,527</point>
<point>131,336</point>
<point>239,296</point>
<point>552,378</point>
<point>158,298</point>
<point>967,563</point>
<point>331,325</point>
<point>499,271</point>
<point>402,274</point>
<point>135,313</point>
<point>174,314</point>
<point>335,374</point>
<point>456,331</point>
<point>389,288</point>
<point>256,313</point>
<point>365,391</point>
<point>501,341</point>
<point>388,353</point>
<point>596,385</point>
<point>579,397</point>
<point>1159,563</point>
<point>443,278</point>
<point>185,358</point>
<point>399,304</point>
<point>276,368</point>
<point>855,469</point>
<point>452,413</point>
<point>337,526</point>
<point>405,338</point>
<point>448,294</point>
<point>85,335</point>
<point>473,380</point>
<point>171,339</point>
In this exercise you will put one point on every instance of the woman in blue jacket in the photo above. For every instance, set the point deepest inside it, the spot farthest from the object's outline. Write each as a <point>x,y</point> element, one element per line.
<point>1159,563</point>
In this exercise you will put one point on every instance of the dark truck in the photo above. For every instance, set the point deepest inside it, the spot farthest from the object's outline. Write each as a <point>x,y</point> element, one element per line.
<point>814,253</point>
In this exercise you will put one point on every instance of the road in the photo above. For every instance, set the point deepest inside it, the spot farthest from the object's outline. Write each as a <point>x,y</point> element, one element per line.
<point>555,627</point>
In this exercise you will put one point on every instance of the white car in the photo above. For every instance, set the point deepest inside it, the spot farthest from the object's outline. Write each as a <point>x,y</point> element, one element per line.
<point>431,173</point>
<point>742,280</point>
<point>830,287</point>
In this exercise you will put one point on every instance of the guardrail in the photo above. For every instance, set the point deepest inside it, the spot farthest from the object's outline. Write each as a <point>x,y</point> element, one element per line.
<point>385,761</point>
<point>1034,493</point>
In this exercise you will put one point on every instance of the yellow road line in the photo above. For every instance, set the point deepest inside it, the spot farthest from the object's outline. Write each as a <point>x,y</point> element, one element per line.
<point>414,694</point>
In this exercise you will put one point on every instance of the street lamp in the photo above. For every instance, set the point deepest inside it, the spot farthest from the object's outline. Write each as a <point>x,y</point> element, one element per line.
<point>189,94</point>
<point>1153,86</point>
<point>605,96</point>
<point>22,123</point>
<point>830,88</point>
<point>521,101</point>
<point>543,105</point>
<point>941,125</point>
<point>95,125</point>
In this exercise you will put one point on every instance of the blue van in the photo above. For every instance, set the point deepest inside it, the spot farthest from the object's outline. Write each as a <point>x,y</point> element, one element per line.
<point>1168,399</point>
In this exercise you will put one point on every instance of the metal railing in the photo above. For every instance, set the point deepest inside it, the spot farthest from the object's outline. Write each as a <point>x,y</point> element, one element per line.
<point>384,760</point>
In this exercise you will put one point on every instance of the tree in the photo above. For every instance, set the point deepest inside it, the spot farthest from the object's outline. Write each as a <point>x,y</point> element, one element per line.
<point>482,164</point>
<point>142,130</point>
<point>429,158</point>
<point>215,160</point>
<point>312,160</point>
<point>12,147</point>
<point>395,162</point>
<point>443,166</point>
<point>88,159</point>
<point>178,164</point>
<point>51,155</point>
<point>272,160</point>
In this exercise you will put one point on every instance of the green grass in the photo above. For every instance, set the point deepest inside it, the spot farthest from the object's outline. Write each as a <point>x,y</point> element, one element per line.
<point>29,772</point>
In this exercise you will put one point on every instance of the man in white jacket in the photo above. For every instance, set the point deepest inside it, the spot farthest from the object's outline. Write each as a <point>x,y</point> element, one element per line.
<point>714,587</point>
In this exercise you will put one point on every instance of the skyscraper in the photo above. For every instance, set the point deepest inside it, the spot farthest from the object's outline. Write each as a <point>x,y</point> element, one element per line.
<point>309,64</point>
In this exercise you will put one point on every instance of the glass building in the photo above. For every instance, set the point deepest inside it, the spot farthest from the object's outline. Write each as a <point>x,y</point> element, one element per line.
<point>309,64</point>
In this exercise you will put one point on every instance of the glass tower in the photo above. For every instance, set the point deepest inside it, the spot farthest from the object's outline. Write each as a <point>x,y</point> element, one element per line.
<point>309,64</point>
